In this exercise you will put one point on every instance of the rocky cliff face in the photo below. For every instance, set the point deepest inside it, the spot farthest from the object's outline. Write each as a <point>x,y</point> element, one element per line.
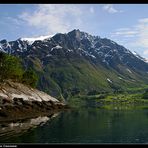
<point>18,101</point>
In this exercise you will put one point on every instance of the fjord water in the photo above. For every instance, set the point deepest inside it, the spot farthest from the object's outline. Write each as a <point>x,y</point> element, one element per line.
<point>84,126</point>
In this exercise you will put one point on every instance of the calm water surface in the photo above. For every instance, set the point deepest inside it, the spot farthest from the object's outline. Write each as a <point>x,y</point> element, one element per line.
<point>80,126</point>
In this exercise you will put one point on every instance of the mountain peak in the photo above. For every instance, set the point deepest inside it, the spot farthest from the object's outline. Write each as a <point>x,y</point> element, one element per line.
<point>80,35</point>
<point>76,32</point>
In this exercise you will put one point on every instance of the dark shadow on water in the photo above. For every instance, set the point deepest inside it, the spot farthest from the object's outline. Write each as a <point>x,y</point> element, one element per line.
<point>9,130</point>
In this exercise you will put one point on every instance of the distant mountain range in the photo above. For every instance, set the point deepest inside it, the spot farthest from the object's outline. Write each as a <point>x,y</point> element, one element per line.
<point>77,62</point>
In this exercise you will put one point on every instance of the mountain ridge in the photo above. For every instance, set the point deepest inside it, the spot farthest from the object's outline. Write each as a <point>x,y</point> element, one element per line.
<point>76,62</point>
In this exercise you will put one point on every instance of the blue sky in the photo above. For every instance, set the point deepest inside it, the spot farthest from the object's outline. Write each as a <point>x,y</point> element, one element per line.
<point>126,24</point>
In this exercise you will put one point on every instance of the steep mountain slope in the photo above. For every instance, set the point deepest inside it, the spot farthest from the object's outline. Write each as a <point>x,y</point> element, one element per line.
<point>79,62</point>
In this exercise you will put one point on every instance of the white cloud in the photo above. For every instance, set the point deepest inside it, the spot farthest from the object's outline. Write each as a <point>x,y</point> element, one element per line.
<point>110,8</point>
<point>145,52</point>
<point>143,32</point>
<point>138,33</point>
<point>91,10</point>
<point>125,32</point>
<point>143,20</point>
<point>53,18</point>
<point>135,37</point>
<point>13,20</point>
<point>123,29</point>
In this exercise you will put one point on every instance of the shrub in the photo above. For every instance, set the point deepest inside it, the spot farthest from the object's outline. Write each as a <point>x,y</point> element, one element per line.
<point>10,67</point>
<point>30,78</point>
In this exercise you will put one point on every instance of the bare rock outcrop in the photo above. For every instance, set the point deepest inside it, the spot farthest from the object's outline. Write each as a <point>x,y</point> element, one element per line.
<point>18,101</point>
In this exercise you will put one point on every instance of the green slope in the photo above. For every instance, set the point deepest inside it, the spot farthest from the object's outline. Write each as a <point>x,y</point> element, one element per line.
<point>64,77</point>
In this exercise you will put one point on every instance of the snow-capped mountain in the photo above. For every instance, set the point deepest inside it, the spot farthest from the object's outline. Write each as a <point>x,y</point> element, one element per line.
<point>74,41</point>
<point>13,46</point>
<point>21,44</point>
<point>82,44</point>
<point>32,40</point>
<point>102,60</point>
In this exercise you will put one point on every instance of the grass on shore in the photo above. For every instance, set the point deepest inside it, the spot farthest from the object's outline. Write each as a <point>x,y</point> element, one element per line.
<point>108,101</point>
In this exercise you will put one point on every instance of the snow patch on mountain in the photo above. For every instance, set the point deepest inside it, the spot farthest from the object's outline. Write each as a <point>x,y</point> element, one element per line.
<point>86,53</point>
<point>32,40</point>
<point>109,80</point>
<point>139,57</point>
<point>120,78</point>
<point>56,47</point>
<point>128,70</point>
<point>69,50</point>
<point>48,55</point>
<point>103,46</point>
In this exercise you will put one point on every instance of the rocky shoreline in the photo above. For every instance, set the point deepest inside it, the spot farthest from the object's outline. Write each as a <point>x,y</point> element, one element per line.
<point>18,101</point>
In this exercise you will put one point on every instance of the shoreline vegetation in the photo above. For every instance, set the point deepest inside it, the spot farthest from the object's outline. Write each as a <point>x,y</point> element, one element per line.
<point>111,100</point>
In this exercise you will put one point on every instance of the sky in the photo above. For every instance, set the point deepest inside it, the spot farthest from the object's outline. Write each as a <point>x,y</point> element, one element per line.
<point>126,24</point>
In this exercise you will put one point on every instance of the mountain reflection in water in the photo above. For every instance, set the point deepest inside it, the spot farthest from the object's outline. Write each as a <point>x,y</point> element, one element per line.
<point>11,129</point>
